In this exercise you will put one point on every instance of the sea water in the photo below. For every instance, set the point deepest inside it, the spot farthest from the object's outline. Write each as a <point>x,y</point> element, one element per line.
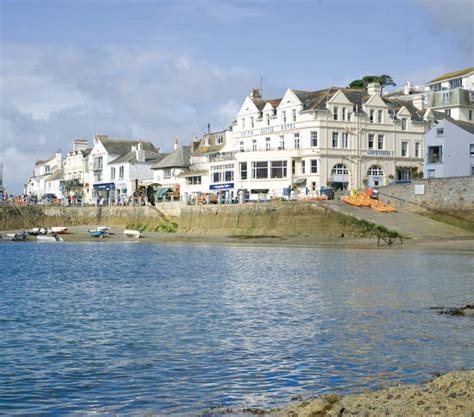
<point>175,329</point>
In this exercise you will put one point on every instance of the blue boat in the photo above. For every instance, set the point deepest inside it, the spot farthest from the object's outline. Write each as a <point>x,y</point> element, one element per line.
<point>96,233</point>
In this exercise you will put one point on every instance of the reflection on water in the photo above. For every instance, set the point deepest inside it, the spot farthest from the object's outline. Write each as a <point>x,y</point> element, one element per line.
<point>178,328</point>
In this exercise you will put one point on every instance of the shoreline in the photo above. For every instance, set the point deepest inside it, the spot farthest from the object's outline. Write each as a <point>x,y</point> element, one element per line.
<point>78,234</point>
<point>448,395</point>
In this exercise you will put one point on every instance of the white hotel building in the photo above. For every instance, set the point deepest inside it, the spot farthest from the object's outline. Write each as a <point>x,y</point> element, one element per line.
<point>339,137</point>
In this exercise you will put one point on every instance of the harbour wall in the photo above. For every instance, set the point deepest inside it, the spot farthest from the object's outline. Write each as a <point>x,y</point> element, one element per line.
<point>272,219</point>
<point>268,219</point>
<point>450,200</point>
<point>17,217</point>
<point>443,196</point>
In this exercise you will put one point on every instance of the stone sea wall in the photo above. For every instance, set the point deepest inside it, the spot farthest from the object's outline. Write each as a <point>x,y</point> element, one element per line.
<point>452,196</point>
<point>37,216</point>
<point>275,219</point>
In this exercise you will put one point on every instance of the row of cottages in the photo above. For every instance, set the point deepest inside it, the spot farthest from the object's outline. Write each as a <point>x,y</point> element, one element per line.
<point>46,178</point>
<point>339,137</point>
<point>167,172</point>
<point>121,170</point>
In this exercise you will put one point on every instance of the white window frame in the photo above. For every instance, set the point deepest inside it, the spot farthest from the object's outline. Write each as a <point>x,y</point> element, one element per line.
<point>405,152</point>
<point>314,138</point>
<point>335,139</point>
<point>297,140</point>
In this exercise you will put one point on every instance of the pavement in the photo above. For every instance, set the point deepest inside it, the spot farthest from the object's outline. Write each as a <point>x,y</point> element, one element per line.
<point>408,224</point>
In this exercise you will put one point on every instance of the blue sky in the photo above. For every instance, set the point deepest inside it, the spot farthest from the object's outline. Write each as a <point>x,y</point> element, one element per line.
<point>162,70</point>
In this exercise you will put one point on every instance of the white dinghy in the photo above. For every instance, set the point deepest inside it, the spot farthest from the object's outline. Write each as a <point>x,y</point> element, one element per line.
<point>51,238</point>
<point>133,233</point>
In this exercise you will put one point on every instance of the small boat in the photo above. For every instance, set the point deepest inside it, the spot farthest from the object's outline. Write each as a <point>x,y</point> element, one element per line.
<point>59,230</point>
<point>133,233</point>
<point>52,238</point>
<point>96,233</point>
<point>35,231</point>
<point>15,237</point>
<point>105,229</point>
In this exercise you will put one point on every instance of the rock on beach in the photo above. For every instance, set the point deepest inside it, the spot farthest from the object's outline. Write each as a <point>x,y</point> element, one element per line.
<point>448,395</point>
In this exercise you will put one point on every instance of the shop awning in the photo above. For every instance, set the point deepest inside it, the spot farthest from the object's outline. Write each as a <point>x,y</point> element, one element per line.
<point>162,191</point>
<point>300,181</point>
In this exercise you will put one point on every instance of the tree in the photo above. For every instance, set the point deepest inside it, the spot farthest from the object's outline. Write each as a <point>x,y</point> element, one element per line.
<point>384,80</point>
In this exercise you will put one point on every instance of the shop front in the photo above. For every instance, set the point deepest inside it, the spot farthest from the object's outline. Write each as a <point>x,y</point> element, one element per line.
<point>103,193</point>
<point>225,191</point>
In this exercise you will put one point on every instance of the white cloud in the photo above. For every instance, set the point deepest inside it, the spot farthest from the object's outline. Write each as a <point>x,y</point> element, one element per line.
<point>456,19</point>
<point>51,96</point>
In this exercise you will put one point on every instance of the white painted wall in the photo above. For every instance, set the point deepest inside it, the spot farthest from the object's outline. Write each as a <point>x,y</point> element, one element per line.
<point>456,158</point>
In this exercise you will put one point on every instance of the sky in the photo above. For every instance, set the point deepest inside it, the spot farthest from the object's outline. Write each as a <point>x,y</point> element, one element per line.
<point>162,70</point>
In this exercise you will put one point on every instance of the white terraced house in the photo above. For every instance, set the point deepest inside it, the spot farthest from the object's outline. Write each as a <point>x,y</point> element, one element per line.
<point>340,137</point>
<point>76,172</point>
<point>212,168</point>
<point>37,186</point>
<point>119,168</point>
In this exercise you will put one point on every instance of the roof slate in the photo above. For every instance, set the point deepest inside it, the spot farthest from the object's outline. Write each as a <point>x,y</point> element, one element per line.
<point>178,158</point>
<point>131,157</point>
<point>121,146</point>
<point>56,175</point>
<point>467,126</point>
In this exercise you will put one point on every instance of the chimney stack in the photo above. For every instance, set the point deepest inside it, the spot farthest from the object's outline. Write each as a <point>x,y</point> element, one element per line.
<point>373,88</point>
<point>140,153</point>
<point>80,145</point>
<point>255,94</point>
<point>176,144</point>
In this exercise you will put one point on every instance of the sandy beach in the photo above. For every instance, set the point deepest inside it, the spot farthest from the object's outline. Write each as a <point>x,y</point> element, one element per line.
<point>79,234</point>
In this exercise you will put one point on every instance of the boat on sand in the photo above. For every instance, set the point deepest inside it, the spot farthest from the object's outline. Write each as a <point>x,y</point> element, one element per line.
<point>51,238</point>
<point>59,230</point>
<point>133,233</point>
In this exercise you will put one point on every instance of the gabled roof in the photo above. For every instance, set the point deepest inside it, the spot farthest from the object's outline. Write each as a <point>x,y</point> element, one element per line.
<point>86,152</point>
<point>398,104</point>
<point>312,100</point>
<point>56,175</point>
<point>261,103</point>
<point>43,161</point>
<point>453,74</point>
<point>179,158</point>
<point>467,126</point>
<point>121,146</point>
<point>131,157</point>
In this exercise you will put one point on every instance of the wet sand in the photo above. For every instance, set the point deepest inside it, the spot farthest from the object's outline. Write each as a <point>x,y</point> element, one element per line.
<point>79,234</point>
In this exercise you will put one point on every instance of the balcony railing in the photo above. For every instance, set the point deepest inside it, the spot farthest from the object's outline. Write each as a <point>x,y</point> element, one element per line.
<point>224,156</point>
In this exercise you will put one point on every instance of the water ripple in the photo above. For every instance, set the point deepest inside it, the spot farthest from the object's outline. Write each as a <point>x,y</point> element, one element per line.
<point>92,329</point>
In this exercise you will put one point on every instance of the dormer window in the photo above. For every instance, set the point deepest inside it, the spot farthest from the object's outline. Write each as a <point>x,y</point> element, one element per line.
<point>404,123</point>
<point>252,122</point>
<point>380,116</point>
<point>268,119</point>
<point>220,140</point>
<point>343,117</point>
<point>335,113</point>
<point>294,115</point>
<point>284,116</point>
<point>371,115</point>
<point>243,123</point>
